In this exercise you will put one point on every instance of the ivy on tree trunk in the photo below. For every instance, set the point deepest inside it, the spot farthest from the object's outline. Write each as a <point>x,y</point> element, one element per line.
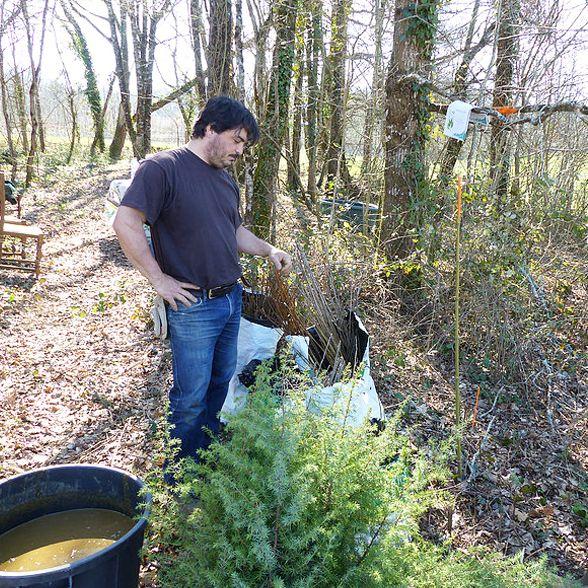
<point>274,126</point>
<point>407,116</point>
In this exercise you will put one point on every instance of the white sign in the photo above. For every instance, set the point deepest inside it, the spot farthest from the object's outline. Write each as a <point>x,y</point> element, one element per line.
<point>456,119</point>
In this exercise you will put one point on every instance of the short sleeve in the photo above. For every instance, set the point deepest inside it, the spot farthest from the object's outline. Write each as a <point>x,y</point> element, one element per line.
<point>148,191</point>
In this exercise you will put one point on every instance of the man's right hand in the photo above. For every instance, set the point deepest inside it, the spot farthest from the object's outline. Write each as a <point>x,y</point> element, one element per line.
<point>171,290</point>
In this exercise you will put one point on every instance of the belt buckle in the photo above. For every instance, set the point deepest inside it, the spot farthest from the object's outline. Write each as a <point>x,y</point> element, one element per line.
<point>211,293</point>
<point>222,290</point>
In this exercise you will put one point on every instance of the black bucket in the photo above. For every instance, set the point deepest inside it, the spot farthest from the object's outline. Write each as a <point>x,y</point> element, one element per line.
<point>60,488</point>
<point>357,214</point>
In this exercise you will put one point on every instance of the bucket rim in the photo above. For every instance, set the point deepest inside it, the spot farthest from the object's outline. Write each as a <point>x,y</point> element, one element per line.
<point>65,570</point>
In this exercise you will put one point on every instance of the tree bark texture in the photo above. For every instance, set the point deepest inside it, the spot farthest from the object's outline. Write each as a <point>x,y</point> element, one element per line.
<point>197,30</point>
<point>314,36</point>
<point>220,49</point>
<point>104,110</point>
<point>41,125</point>
<point>276,121</point>
<point>75,129</point>
<point>294,183</point>
<point>405,125</point>
<point>118,39</point>
<point>503,95</point>
<point>144,23</point>
<point>260,87</point>
<point>91,91</point>
<point>239,49</point>
<point>120,135</point>
<point>39,114</point>
<point>336,163</point>
<point>33,90</point>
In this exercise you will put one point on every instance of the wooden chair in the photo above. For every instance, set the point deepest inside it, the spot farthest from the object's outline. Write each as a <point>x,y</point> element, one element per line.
<point>16,229</point>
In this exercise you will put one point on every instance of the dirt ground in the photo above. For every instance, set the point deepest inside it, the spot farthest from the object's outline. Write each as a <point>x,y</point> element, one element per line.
<point>82,380</point>
<point>82,377</point>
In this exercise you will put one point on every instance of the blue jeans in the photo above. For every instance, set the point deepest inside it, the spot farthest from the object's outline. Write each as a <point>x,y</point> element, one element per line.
<point>203,339</point>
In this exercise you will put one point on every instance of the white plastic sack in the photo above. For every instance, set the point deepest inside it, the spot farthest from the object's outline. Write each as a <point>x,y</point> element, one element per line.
<point>116,191</point>
<point>255,342</point>
<point>356,400</point>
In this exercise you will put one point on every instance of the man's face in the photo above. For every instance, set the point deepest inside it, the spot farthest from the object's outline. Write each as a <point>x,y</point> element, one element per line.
<point>223,149</point>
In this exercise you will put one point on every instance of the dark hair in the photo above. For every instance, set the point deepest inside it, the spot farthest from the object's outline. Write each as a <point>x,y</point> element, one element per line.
<point>223,113</point>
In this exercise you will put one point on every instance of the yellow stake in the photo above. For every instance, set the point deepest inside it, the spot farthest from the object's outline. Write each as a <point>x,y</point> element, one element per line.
<point>456,337</point>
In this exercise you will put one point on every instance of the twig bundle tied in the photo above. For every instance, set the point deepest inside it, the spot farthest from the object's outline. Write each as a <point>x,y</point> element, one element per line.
<point>333,322</point>
<point>272,302</point>
<point>319,303</point>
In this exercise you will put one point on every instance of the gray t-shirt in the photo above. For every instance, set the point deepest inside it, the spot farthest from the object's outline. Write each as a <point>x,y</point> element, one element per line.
<point>193,211</point>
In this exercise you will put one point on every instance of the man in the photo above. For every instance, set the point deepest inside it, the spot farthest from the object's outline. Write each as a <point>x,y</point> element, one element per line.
<point>192,206</point>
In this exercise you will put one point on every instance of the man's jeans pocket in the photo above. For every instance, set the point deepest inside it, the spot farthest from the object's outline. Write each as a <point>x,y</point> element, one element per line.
<point>182,308</point>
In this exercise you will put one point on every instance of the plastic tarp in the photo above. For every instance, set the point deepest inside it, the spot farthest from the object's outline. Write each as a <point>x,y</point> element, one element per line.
<point>356,400</point>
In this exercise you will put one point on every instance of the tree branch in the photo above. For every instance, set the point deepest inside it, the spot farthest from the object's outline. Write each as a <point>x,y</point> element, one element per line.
<point>536,112</point>
<point>74,7</point>
<point>4,25</point>
<point>174,95</point>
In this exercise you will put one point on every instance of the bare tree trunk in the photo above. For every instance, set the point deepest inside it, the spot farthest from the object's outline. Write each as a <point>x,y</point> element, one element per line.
<point>220,66</point>
<point>335,156</point>
<point>5,105</point>
<point>33,113</point>
<point>294,183</point>
<point>120,134</point>
<point>314,41</point>
<point>197,30</point>
<point>406,120</point>
<point>91,92</point>
<point>376,91</point>
<point>506,58</point>
<point>118,39</point>
<point>75,130</point>
<point>239,49</point>
<point>276,122</point>
<point>143,27</point>
<point>245,164</point>
<point>144,45</point>
<point>40,123</point>
<point>103,114</point>
<point>261,28</point>
<point>33,138</point>
<point>143,20</point>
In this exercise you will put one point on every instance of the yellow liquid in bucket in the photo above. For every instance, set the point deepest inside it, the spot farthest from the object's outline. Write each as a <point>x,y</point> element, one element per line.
<point>60,538</point>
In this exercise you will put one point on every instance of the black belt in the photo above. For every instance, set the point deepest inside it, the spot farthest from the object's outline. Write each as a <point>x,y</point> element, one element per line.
<point>215,292</point>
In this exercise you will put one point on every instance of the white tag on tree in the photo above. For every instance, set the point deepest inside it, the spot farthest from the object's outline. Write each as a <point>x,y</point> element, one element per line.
<point>456,119</point>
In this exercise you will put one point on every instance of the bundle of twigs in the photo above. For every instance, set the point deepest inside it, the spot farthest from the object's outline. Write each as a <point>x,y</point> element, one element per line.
<point>285,305</point>
<point>271,301</point>
<point>318,297</point>
<point>330,316</point>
